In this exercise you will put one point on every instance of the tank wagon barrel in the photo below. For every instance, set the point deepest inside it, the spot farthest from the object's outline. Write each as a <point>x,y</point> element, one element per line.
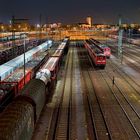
<point>17,120</point>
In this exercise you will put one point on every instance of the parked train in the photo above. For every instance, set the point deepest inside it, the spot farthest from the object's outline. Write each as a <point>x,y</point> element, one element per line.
<point>134,41</point>
<point>12,49</point>
<point>105,48</point>
<point>96,54</point>
<point>10,37</point>
<point>8,67</point>
<point>18,120</point>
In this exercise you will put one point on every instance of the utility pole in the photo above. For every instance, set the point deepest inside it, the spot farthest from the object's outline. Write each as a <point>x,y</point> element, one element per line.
<point>120,50</point>
<point>40,22</point>
<point>24,58</point>
<point>13,30</point>
<point>129,37</point>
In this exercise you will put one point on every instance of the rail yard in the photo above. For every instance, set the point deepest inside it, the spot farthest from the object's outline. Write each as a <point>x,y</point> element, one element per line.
<point>92,103</point>
<point>75,90</point>
<point>70,70</point>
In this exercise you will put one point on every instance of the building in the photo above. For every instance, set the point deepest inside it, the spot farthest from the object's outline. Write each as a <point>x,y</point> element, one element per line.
<point>20,24</point>
<point>89,21</point>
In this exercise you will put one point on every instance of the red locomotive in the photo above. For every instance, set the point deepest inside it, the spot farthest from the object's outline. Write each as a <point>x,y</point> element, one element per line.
<point>105,48</point>
<point>96,54</point>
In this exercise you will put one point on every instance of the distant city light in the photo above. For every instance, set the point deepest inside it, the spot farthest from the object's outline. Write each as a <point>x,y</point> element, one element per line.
<point>38,25</point>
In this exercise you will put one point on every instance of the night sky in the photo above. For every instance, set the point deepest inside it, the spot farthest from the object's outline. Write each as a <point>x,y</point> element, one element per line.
<point>72,11</point>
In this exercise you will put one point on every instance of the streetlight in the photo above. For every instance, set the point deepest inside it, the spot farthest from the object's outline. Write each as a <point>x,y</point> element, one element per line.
<point>24,43</point>
<point>129,37</point>
<point>2,28</point>
<point>24,58</point>
<point>38,30</point>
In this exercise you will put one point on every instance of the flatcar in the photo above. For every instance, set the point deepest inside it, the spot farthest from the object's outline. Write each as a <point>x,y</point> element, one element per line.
<point>18,120</point>
<point>63,45</point>
<point>105,48</point>
<point>9,67</point>
<point>54,62</point>
<point>12,49</point>
<point>96,54</point>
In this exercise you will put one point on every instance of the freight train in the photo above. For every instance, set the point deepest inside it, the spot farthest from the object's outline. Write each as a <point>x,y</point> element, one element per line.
<point>12,49</point>
<point>18,120</point>
<point>96,54</point>
<point>9,67</point>
<point>12,72</point>
<point>12,84</point>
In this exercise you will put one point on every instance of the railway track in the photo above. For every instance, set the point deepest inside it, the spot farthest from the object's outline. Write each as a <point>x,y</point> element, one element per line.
<point>115,117</point>
<point>87,105</point>
<point>133,104</point>
<point>127,93</point>
<point>114,47</point>
<point>61,113</point>
<point>131,60</point>
<point>129,52</point>
<point>127,107</point>
<point>48,120</point>
<point>97,127</point>
<point>130,56</point>
<point>81,121</point>
<point>120,131</point>
<point>64,122</point>
<point>112,68</point>
<point>59,120</point>
<point>70,122</point>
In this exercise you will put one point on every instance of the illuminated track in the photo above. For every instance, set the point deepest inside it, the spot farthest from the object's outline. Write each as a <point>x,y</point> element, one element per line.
<point>87,105</point>
<point>64,122</point>
<point>126,89</point>
<point>127,107</point>
<point>113,67</point>
<point>62,117</point>
<point>97,127</point>
<point>111,112</point>
<point>59,114</point>
<point>131,56</point>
